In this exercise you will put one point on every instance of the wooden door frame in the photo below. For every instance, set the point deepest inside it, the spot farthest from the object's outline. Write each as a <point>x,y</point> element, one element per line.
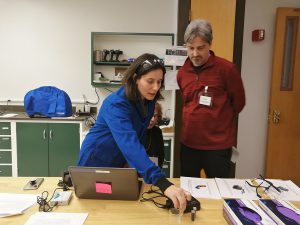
<point>183,20</point>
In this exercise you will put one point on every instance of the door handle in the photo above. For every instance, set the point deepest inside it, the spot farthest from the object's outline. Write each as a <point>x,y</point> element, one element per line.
<point>51,134</point>
<point>5,138</point>
<point>44,134</point>
<point>276,116</point>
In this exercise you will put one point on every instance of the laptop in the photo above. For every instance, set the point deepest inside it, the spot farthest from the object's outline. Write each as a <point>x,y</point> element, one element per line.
<point>105,183</point>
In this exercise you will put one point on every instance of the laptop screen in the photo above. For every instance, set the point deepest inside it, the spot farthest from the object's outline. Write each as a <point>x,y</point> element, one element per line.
<point>105,183</point>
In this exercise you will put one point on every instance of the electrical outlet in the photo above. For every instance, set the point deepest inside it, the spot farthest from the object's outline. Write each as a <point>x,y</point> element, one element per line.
<point>80,108</point>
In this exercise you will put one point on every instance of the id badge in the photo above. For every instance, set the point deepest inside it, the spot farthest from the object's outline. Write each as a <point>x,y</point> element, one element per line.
<point>205,98</point>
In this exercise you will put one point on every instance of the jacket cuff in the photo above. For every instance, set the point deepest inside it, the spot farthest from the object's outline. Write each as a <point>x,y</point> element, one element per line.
<point>163,183</point>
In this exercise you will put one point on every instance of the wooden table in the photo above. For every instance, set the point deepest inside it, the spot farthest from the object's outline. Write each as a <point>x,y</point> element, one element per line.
<point>112,211</point>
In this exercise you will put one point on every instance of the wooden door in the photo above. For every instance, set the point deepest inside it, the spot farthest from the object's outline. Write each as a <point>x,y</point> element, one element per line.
<point>283,143</point>
<point>221,15</point>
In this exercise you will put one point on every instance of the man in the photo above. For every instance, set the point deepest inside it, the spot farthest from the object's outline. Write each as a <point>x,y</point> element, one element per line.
<point>213,95</point>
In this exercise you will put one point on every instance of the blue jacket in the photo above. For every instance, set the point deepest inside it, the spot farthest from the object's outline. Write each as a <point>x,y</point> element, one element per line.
<point>117,137</point>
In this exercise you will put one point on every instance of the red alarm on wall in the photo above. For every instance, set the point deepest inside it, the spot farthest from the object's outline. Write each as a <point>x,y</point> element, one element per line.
<point>258,35</point>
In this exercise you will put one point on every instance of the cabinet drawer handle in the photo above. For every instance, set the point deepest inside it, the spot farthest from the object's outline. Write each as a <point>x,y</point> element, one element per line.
<point>5,138</point>
<point>44,134</point>
<point>5,128</point>
<point>0,171</point>
<point>51,134</point>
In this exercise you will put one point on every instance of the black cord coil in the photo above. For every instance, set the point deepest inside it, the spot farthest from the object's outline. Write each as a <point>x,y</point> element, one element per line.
<point>44,205</point>
<point>156,194</point>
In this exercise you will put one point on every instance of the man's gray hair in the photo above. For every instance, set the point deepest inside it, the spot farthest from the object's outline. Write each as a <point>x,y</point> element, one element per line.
<point>198,28</point>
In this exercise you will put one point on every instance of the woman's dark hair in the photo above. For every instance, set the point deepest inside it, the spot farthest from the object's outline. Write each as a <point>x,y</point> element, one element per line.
<point>141,66</point>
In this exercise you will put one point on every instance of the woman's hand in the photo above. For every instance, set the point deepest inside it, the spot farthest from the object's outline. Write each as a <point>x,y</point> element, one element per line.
<point>178,197</point>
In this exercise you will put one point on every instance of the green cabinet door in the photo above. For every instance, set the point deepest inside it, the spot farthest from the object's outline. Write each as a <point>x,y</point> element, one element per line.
<point>32,149</point>
<point>5,171</point>
<point>64,147</point>
<point>46,149</point>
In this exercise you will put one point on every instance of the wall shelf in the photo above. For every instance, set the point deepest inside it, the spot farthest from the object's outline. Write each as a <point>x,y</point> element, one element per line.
<point>131,44</point>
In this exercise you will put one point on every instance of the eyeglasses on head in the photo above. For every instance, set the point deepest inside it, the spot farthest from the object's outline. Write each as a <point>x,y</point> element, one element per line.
<point>149,64</point>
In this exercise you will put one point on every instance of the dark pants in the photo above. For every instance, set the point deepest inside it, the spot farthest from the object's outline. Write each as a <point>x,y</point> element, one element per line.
<point>216,163</point>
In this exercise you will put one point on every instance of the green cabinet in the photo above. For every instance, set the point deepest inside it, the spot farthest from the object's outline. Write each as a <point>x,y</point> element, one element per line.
<point>5,128</point>
<point>5,142</point>
<point>46,149</point>
<point>167,162</point>
<point>5,171</point>
<point>5,149</point>
<point>5,157</point>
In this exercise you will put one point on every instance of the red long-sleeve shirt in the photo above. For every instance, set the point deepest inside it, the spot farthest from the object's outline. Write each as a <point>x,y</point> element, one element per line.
<point>214,127</point>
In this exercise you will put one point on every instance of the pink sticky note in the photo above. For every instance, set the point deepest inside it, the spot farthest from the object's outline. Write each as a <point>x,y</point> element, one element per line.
<point>104,188</point>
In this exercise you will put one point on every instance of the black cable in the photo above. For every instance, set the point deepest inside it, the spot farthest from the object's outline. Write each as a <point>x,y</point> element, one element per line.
<point>44,205</point>
<point>94,103</point>
<point>157,195</point>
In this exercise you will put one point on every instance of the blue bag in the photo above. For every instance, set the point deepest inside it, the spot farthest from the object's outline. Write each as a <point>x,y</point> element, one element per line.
<point>48,101</point>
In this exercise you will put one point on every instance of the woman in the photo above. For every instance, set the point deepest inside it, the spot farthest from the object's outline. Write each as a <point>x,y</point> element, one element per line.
<point>117,136</point>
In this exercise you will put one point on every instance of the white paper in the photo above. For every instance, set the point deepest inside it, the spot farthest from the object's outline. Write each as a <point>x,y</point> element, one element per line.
<point>171,80</point>
<point>175,56</point>
<point>234,155</point>
<point>154,159</point>
<point>175,60</point>
<point>51,218</point>
<point>292,193</point>
<point>8,115</point>
<point>200,187</point>
<point>226,189</point>
<point>13,204</point>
